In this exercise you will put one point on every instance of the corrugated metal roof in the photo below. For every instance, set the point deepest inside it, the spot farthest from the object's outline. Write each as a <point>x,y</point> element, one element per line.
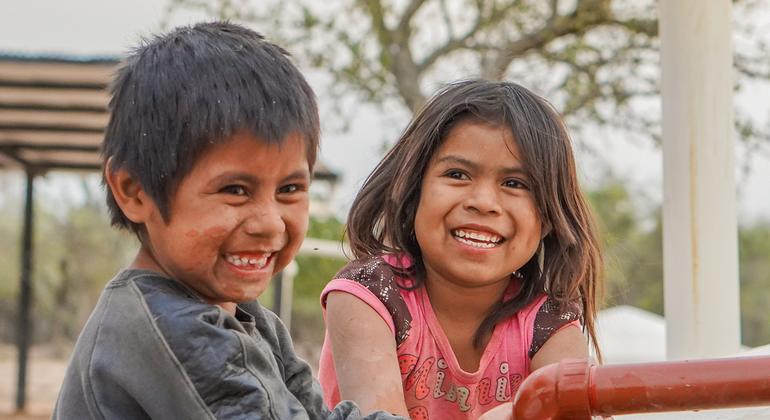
<point>53,111</point>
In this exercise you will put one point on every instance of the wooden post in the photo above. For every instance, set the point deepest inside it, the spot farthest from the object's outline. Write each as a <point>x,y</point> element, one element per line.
<point>23,328</point>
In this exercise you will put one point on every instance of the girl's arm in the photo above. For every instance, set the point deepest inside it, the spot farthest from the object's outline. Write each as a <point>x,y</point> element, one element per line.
<point>566,343</point>
<point>364,353</point>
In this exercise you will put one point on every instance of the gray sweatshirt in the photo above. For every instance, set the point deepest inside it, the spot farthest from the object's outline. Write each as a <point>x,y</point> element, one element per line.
<point>153,349</point>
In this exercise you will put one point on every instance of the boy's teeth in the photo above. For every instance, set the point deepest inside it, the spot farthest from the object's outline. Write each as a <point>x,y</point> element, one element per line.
<point>246,261</point>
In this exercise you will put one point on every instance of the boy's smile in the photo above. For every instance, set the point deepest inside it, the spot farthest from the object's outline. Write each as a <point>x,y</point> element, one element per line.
<point>236,219</point>
<point>477,220</point>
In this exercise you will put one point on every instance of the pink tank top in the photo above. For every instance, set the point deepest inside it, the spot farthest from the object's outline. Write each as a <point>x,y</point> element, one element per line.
<point>434,384</point>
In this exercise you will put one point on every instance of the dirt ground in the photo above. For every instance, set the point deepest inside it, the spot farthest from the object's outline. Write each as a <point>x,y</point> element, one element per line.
<point>44,376</point>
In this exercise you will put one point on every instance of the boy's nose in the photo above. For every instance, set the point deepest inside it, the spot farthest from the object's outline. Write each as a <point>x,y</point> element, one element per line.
<point>265,220</point>
<point>484,200</point>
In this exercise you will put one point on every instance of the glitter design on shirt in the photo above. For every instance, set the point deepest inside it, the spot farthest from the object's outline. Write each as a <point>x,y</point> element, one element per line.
<point>552,316</point>
<point>379,278</point>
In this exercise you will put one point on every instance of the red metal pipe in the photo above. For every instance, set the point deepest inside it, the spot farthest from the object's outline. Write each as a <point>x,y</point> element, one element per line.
<point>575,389</point>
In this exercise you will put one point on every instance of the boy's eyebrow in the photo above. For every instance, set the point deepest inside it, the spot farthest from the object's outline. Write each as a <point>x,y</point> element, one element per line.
<point>236,176</point>
<point>300,174</point>
<point>475,166</point>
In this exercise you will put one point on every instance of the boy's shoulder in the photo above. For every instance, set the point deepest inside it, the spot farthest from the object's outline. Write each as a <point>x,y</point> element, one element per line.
<point>174,314</point>
<point>153,338</point>
<point>152,300</point>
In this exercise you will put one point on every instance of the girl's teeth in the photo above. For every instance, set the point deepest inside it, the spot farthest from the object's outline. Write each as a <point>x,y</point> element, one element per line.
<point>476,244</point>
<point>477,236</point>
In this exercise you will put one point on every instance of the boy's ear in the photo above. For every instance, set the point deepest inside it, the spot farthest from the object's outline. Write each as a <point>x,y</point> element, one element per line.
<point>128,193</point>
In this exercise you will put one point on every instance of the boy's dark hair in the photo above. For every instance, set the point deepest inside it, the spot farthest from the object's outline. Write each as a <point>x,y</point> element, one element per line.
<point>382,215</point>
<point>182,91</point>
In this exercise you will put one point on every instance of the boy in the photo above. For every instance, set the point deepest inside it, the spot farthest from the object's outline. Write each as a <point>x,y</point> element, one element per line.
<point>208,156</point>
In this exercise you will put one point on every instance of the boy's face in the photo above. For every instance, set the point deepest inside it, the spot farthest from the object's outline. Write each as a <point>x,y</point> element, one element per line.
<point>236,219</point>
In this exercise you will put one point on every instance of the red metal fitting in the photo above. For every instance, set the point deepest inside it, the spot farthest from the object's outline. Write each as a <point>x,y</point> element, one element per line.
<point>575,389</point>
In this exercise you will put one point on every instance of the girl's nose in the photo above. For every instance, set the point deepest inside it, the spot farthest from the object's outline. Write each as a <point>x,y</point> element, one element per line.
<point>483,199</point>
<point>265,220</point>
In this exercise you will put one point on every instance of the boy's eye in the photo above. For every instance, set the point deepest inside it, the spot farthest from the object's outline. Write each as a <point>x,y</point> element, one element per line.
<point>290,188</point>
<point>235,190</point>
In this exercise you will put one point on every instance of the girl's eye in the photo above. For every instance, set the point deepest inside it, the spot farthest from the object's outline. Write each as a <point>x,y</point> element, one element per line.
<point>234,190</point>
<point>515,183</point>
<point>455,174</point>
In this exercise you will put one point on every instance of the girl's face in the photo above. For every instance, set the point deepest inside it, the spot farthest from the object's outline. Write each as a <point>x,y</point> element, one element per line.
<point>477,221</point>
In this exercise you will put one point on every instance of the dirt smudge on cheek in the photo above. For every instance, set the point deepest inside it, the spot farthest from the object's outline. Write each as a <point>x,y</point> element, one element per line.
<point>199,247</point>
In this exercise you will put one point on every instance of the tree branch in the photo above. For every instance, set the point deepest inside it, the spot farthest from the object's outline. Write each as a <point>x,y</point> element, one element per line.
<point>404,24</point>
<point>647,27</point>
<point>588,14</point>
<point>456,43</point>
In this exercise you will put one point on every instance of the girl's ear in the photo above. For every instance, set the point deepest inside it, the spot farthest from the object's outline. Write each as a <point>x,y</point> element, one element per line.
<point>133,201</point>
<point>545,229</point>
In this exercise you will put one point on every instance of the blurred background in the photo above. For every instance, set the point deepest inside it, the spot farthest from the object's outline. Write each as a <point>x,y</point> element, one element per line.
<point>372,63</point>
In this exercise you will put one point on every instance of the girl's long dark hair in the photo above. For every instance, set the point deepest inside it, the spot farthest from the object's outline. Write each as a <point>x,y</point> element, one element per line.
<point>382,216</point>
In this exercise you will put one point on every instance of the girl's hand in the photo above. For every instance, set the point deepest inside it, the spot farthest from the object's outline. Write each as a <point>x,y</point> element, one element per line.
<point>501,412</point>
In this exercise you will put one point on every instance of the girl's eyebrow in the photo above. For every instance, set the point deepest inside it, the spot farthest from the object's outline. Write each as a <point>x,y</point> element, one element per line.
<point>475,166</point>
<point>458,160</point>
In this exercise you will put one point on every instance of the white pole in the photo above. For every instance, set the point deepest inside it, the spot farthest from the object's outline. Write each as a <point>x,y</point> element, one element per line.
<point>287,293</point>
<point>700,249</point>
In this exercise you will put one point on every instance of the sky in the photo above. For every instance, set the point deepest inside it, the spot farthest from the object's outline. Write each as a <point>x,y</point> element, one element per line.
<point>110,27</point>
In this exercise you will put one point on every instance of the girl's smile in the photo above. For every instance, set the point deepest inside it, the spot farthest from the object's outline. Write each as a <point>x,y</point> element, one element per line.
<point>476,236</point>
<point>477,221</point>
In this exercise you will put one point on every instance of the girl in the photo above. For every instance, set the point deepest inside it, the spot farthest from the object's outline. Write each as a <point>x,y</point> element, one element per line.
<point>476,260</point>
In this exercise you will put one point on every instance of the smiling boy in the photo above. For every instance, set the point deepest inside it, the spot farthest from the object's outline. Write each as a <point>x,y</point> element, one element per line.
<point>208,156</point>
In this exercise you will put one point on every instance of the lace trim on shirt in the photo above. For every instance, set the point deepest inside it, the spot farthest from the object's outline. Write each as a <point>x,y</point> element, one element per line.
<point>379,278</point>
<point>552,316</point>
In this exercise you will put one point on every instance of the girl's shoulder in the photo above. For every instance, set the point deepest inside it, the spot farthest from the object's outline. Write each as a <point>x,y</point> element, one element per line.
<point>550,314</point>
<point>378,271</point>
<point>385,277</point>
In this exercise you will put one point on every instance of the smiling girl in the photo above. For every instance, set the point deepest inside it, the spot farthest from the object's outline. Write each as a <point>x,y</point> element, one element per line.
<point>476,260</point>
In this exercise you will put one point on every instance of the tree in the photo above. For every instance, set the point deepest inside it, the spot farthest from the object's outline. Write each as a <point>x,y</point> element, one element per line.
<point>597,60</point>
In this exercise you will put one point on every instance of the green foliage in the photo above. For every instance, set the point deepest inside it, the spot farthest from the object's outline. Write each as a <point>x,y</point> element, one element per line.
<point>10,244</point>
<point>754,251</point>
<point>632,243</point>
<point>632,248</point>
<point>75,252</point>
<point>315,272</point>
